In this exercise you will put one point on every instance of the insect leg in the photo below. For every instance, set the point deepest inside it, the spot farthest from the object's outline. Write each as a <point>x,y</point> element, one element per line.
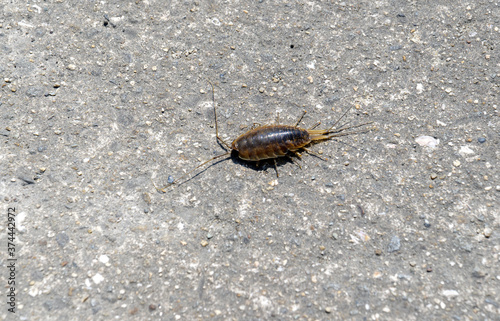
<point>300,119</point>
<point>313,153</point>
<point>293,160</point>
<point>216,122</point>
<point>255,125</point>
<point>276,168</point>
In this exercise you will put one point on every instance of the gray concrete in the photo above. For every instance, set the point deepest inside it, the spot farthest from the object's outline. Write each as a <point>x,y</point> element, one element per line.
<point>102,99</point>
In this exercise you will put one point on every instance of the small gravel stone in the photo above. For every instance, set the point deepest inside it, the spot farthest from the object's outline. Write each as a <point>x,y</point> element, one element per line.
<point>204,243</point>
<point>98,278</point>
<point>170,180</point>
<point>34,91</point>
<point>456,163</point>
<point>394,244</point>
<point>478,273</point>
<point>450,293</point>
<point>104,259</point>
<point>481,140</point>
<point>487,232</point>
<point>466,246</point>
<point>62,239</point>
<point>427,141</point>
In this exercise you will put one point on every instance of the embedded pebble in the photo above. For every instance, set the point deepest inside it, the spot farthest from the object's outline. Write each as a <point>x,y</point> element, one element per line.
<point>478,273</point>
<point>273,182</point>
<point>170,180</point>
<point>34,91</point>
<point>104,259</point>
<point>394,244</point>
<point>62,239</point>
<point>450,293</point>
<point>456,163</point>
<point>465,150</point>
<point>487,232</point>
<point>97,278</point>
<point>427,141</point>
<point>481,140</point>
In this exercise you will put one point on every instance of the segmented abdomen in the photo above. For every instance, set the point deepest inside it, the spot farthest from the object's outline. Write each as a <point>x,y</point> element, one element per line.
<point>270,142</point>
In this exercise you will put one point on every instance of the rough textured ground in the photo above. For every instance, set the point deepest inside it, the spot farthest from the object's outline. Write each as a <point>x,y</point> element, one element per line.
<point>101,99</point>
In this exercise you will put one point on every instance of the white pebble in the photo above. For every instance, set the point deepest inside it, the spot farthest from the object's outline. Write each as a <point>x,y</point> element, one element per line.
<point>103,259</point>
<point>97,278</point>
<point>450,293</point>
<point>465,150</point>
<point>427,141</point>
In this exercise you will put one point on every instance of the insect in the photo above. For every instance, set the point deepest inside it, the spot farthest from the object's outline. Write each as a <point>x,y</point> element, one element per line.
<point>273,141</point>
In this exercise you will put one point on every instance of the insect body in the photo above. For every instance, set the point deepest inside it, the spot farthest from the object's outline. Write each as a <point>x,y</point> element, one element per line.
<point>270,141</point>
<point>273,141</point>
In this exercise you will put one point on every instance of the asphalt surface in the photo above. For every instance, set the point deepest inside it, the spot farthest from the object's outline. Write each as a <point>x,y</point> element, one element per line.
<point>102,100</point>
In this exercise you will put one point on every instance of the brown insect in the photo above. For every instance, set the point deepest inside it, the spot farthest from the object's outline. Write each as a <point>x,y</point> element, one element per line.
<point>273,141</point>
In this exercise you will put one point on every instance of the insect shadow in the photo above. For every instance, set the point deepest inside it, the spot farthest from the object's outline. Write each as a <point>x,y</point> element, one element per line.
<point>270,142</point>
